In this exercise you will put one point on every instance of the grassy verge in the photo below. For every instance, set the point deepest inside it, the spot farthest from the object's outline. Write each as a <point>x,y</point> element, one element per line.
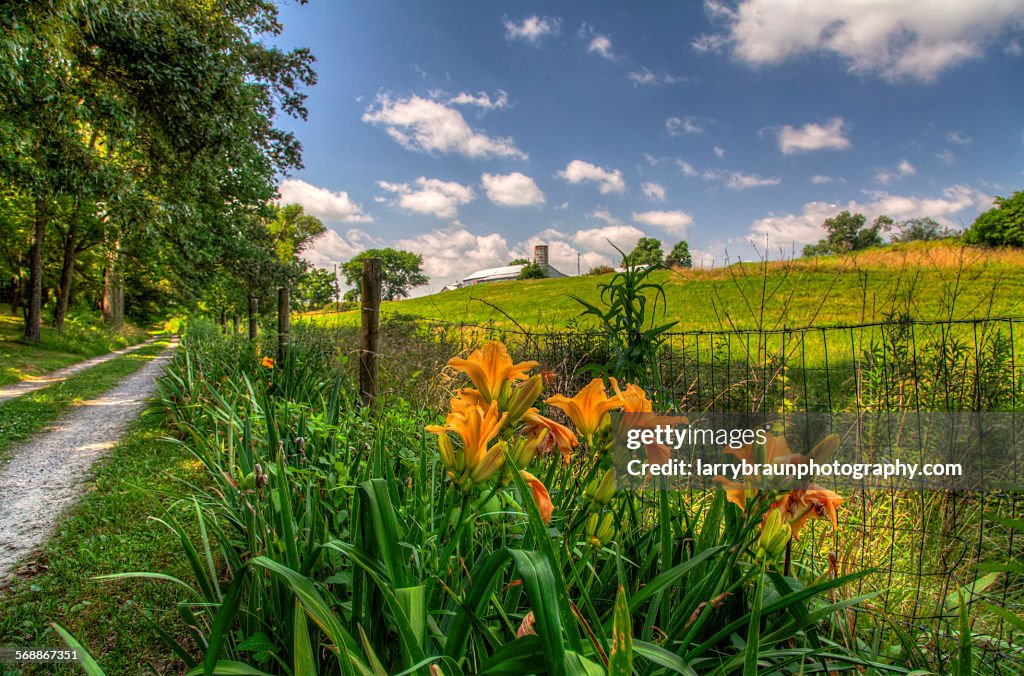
<point>109,531</point>
<point>81,339</point>
<point>26,415</point>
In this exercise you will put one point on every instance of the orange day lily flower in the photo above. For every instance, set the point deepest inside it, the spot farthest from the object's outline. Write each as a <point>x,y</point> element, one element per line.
<point>812,503</point>
<point>589,409</point>
<point>541,497</point>
<point>267,363</point>
<point>556,435</point>
<point>477,428</point>
<point>490,368</point>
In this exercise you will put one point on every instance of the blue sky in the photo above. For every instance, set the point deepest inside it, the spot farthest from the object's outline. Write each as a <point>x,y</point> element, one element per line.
<point>469,131</point>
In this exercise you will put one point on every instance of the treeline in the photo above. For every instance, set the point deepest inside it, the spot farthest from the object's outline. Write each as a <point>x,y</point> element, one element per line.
<point>139,157</point>
<point>1002,225</point>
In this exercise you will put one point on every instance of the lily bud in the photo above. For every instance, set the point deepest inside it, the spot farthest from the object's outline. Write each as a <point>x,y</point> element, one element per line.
<point>600,529</point>
<point>601,489</point>
<point>489,464</point>
<point>825,449</point>
<point>775,534</point>
<point>522,397</point>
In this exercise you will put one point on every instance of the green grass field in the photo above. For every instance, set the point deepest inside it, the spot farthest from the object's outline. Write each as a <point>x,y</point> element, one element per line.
<point>939,280</point>
<point>81,340</point>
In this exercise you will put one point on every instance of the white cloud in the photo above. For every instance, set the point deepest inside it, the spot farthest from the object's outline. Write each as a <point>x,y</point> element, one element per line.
<point>644,76</point>
<point>428,126</point>
<point>958,137</point>
<point>481,100</point>
<point>604,239</point>
<point>720,152</point>
<point>608,180</point>
<point>902,170</point>
<point>449,254</point>
<point>821,179</point>
<point>512,190</point>
<point>674,222</point>
<point>332,248</point>
<point>321,202</point>
<point>680,126</point>
<point>896,39</point>
<point>804,228</point>
<point>532,29</point>
<point>828,136</point>
<point>597,43</point>
<point>653,191</point>
<point>430,196</point>
<point>734,180</point>
<point>946,157</point>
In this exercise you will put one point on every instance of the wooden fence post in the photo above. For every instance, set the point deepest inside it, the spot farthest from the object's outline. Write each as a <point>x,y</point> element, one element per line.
<point>370,297</point>
<point>284,322</point>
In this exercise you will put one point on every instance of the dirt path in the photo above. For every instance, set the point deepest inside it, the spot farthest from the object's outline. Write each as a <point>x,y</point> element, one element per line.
<point>45,472</point>
<point>37,383</point>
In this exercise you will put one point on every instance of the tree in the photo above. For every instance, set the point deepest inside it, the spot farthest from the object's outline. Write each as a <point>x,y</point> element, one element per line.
<point>680,256</point>
<point>848,232</point>
<point>921,230</point>
<point>519,261</point>
<point>600,270</point>
<point>648,251</point>
<point>1002,225</point>
<point>401,271</point>
<point>315,288</point>
<point>532,271</point>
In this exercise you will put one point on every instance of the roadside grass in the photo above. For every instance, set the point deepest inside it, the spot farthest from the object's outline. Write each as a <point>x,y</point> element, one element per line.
<point>109,531</point>
<point>26,415</point>
<point>928,280</point>
<point>83,337</point>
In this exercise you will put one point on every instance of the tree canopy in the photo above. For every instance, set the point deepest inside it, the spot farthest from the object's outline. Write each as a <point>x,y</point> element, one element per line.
<point>647,251</point>
<point>401,271</point>
<point>849,232</point>
<point>1002,225</point>
<point>138,145</point>
<point>680,256</point>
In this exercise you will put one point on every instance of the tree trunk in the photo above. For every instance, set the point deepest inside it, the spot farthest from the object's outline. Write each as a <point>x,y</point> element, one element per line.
<point>35,284</point>
<point>67,270</point>
<point>113,293</point>
<point>15,294</point>
<point>253,309</point>
<point>223,321</point>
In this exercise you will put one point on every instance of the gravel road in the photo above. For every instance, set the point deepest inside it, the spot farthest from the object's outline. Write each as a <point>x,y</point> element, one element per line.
<point>17,389</point>
<point>46,473</point>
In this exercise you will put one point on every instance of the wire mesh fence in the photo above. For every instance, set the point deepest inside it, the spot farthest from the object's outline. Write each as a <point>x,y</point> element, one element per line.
<point>922,547</point>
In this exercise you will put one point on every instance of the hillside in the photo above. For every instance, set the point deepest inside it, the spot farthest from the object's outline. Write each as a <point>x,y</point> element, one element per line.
<point>936,280</point>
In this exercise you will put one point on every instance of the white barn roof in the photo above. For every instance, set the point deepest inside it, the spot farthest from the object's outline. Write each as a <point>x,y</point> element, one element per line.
<point>504,272</point>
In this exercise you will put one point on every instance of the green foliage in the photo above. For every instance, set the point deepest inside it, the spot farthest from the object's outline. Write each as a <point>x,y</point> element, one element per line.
<point>532,271</point>
<point>848,232</point>
<point>319,524</point>
<point>316,288</point>
<point>647,251</point>
<point>519,261</point>
<point>921,230</point>
<point>1002,225</point>
<point>598,270</point>
<point>680,256</point>
<point>401,271</point>
<point>627,313</point>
